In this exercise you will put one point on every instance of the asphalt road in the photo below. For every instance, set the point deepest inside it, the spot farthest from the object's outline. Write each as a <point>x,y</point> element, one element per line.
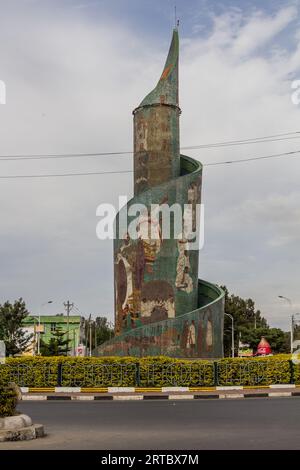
<point>256,423</point>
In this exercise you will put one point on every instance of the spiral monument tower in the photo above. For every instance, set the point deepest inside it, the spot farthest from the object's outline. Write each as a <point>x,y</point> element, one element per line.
<point>161,307</point>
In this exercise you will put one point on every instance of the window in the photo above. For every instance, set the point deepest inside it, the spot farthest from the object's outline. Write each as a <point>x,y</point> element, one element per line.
<point>53,327</point>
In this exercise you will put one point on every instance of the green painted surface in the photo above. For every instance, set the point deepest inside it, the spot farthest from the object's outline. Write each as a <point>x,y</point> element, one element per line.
<point>51,322</point>
<point>196,334</point>
<point>167,86</point>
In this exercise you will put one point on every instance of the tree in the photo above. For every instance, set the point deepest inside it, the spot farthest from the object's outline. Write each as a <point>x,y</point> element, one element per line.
<point>11,327</point>
<point>244,315</point>
<point>278,339</point>
<point>104,330</point>
<point>101,331</point>
<point>57,346</point>
<point>249,325</point>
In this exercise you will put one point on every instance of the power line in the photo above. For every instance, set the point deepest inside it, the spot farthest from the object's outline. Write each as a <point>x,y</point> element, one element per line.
<point>229,143</point>
<point>228,162</point>
<point>65,174</point>
<point>232,144</point>
<point>251,159</point>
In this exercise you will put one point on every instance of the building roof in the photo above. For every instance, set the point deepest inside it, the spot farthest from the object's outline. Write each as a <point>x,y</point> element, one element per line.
<point>54,319</point>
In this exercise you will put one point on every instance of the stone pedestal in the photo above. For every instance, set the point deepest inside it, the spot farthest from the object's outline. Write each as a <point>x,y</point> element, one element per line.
<point>19,428</point>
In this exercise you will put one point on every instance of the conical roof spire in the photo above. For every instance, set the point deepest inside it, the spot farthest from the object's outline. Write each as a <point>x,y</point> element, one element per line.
<point>166,91</point>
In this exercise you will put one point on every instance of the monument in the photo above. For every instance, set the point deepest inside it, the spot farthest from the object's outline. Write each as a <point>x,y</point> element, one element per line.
<point>161,307</point>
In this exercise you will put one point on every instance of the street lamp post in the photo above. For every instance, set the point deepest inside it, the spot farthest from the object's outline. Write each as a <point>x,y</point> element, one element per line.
<point>292,319</point>
<point>39,332</point>
<point>232,333</point>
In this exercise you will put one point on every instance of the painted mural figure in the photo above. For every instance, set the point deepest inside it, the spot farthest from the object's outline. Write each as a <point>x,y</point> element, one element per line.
<point>191,339</point>
<point>209,334</point>
<point>183,279</point>
<point>148,229</point>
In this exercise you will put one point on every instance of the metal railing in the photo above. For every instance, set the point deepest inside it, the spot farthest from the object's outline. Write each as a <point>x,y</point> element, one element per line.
<point>139,374</point>
<point>253,373</point>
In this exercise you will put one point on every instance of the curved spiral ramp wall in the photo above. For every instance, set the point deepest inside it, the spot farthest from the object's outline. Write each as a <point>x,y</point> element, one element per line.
<point>160,305</point>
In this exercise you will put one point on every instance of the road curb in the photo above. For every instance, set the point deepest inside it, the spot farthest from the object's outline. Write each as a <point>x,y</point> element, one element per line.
<point>113,390</point>
<point>157,397</point>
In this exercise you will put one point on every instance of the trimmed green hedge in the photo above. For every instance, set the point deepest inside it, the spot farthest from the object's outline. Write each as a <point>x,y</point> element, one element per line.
<point>148,371</point>
<point>255,371</point>
<point>8,401</point>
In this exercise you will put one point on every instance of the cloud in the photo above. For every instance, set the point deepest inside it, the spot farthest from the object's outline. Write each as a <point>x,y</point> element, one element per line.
<point>259,30</point>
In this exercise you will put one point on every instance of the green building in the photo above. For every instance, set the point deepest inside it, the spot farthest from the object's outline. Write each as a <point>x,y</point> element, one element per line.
<point>45,325</point>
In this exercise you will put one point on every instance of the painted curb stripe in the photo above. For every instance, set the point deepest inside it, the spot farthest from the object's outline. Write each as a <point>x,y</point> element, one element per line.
<point>128,397</point>
<point>34,397</point>
<point>175,389</point>
<point>151,389</point>
<point>58,397</point>
<point>255,387</point>
<point>231,395</point>
<point>233,387</point>
<point>158,397</point>
<point>256,395</point>
<point>181,397</point>
<point>103,397</point>
<point>83,398</point>
<point>67,389</point>
<point>283,386</point>
<point>155,397</point>
<point>199,397</point>
<point>121,389</point>
<point>280,394</point>
<point>202,389</point>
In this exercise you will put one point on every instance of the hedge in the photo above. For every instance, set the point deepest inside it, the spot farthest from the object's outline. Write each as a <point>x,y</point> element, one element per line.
<point>256,371</point>
<point>148,371</point>
<point>8,401</point>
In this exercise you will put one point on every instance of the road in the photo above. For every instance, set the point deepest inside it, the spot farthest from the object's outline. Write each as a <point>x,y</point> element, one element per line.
<point>256,423</point>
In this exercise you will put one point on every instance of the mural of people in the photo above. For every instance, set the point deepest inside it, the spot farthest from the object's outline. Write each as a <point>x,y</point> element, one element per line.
<point>183,279</point>
<point>191,339</point>
<point>149,231</point>
<point>157,301</point>
<point>209,333</point>
<point>130,265</point>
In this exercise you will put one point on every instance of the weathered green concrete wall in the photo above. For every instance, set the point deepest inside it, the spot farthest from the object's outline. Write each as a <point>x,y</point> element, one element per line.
<point>151,274</point>
<point>195,334</point>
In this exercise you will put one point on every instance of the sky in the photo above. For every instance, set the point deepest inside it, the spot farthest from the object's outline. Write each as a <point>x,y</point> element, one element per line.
<point>74,70</point>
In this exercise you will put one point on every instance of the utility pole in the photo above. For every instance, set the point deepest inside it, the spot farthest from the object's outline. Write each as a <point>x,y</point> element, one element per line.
<point>95,345</point>
<point>292,318</point>
<point>68,306</point>
<point>90,335</point>
<point>232,332</point>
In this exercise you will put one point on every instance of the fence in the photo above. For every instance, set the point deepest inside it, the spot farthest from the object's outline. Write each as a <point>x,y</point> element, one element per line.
<point>193,374</point>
